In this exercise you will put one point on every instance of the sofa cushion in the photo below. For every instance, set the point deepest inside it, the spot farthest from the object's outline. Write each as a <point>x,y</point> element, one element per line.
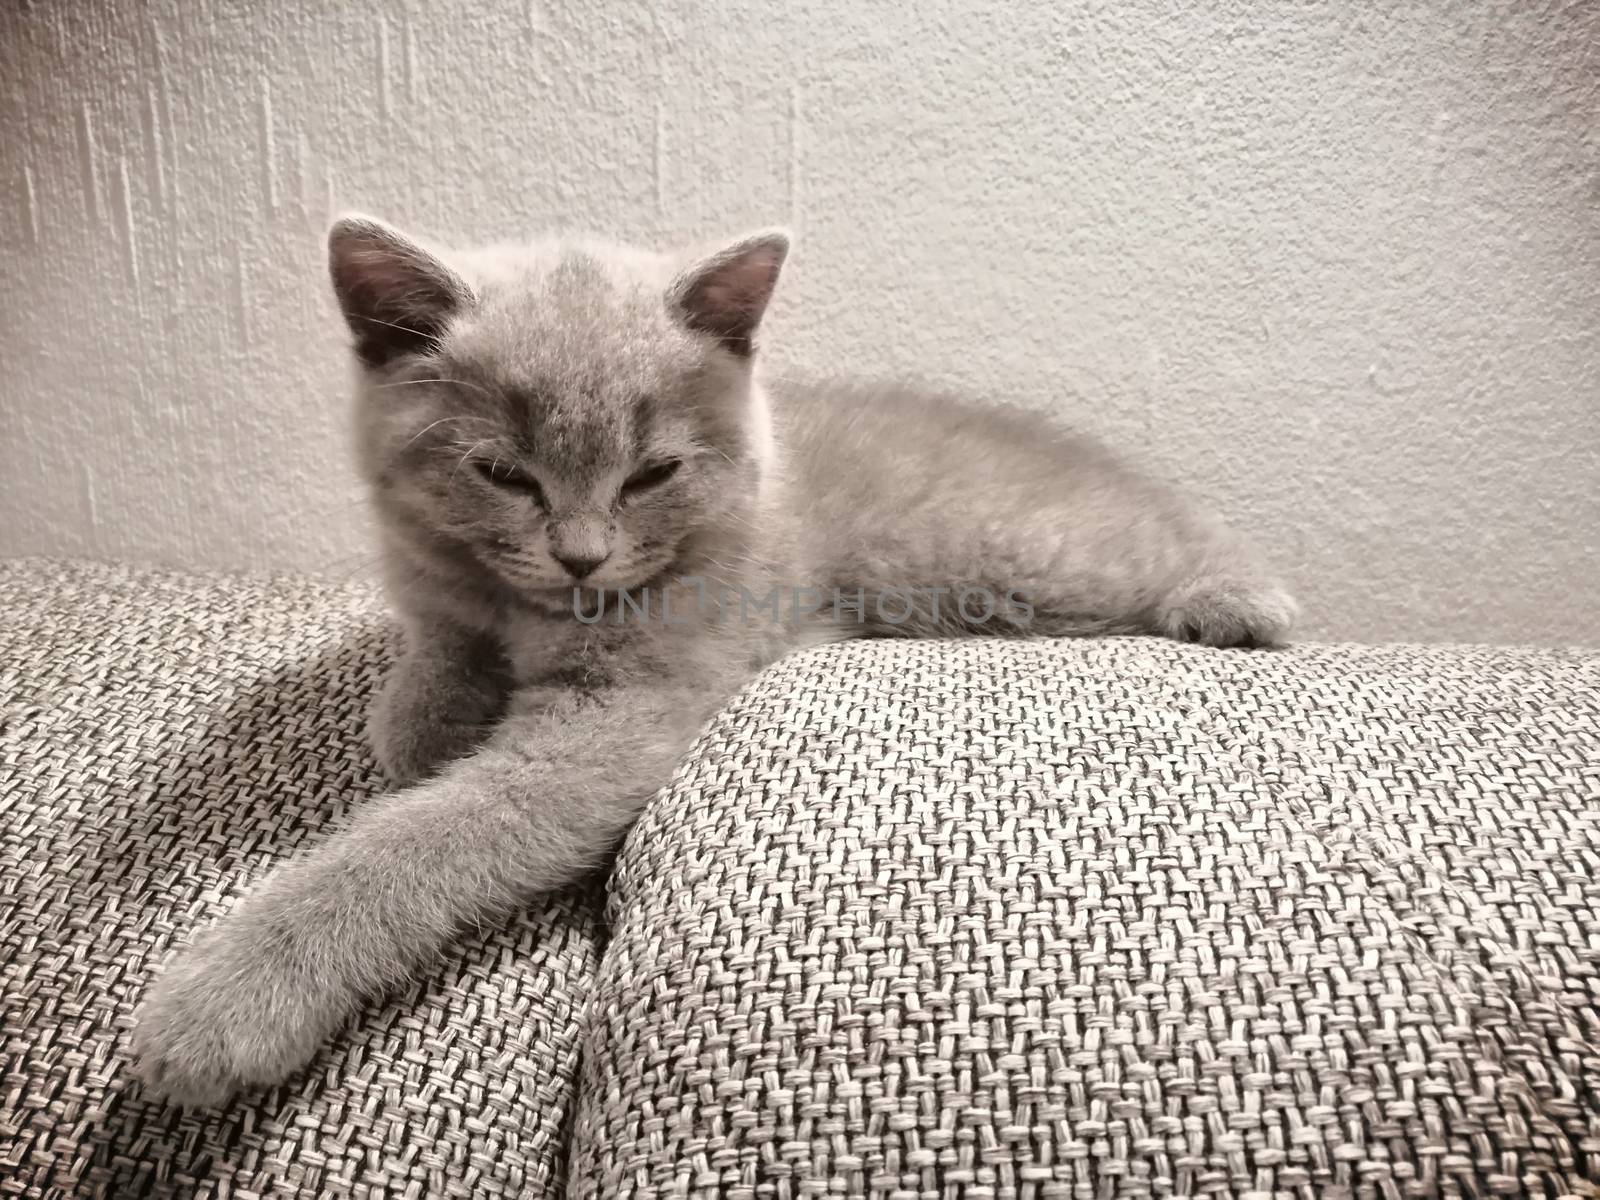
<point>1116,918</point>
<point>163,742</point>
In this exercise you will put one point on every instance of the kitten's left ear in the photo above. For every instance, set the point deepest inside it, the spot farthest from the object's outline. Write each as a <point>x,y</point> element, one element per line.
<point>726,294</point>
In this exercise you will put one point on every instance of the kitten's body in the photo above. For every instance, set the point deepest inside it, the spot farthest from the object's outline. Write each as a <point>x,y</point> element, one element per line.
<point>532,417</point>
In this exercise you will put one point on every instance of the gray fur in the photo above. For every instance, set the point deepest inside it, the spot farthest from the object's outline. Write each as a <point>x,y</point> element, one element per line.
<point>505,401</point>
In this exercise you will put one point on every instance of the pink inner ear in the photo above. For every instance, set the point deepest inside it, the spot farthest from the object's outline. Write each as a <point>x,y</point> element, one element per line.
<point>393,281</point>
<point>380,269</point>
<point>728,298</point>
<point>395,296</point>
<point>746,283</point>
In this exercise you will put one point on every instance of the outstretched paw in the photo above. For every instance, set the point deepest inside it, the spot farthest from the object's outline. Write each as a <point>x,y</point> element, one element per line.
<point>220,1018</point>
<point>1224,612</point>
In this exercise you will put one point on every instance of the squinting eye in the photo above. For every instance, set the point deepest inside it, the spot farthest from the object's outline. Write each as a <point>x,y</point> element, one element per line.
<point>506,476</point>
<point>652,476</point>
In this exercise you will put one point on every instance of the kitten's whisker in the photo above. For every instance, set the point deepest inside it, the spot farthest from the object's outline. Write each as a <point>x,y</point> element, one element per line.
<point>431,425</point>
<point>347,567</point>
<point>460,444</point>
<point>463,459</point>
<point>453,382</point>
<point>392,325</point>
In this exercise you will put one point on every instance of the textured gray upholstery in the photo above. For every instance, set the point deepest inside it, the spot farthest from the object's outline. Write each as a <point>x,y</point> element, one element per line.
<point>915,920</point>
<point>163,741</point>
<point>1113,919</point>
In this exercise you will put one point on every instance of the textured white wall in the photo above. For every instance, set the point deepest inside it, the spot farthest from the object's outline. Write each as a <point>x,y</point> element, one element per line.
<point>1335,266</point>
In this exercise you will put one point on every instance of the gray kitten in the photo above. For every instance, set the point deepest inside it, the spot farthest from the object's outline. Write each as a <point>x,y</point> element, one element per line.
<point>544,426</point>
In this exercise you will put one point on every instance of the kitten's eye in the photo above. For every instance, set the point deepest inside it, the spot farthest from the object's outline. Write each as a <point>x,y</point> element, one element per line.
<point>652,476</point>
<point>506,476</point>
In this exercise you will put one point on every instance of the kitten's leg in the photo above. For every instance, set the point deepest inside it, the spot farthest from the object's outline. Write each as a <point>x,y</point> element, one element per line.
<point>439,703</point>
<point>1166,570</point>
<point>538,806</point>
<point>1172,566</point>
<point>1126,554</point>
<point>1227,606</point>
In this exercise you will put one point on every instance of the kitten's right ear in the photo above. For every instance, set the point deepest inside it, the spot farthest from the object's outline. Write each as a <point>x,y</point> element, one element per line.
<point>396,296</point>
<point>726,295</point>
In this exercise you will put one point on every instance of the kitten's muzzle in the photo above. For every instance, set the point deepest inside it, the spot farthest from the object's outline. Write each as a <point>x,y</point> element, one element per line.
<point>579,566</point>
<point>580,542</point>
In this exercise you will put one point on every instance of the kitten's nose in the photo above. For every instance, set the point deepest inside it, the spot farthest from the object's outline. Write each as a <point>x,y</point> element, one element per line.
<point>581,565</point>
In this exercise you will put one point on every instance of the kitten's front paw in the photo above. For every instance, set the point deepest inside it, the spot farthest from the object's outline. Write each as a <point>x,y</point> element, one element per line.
<point>219,1018</point>
<point>1223,612</point>
<point>418,725</point>
<point>410,751</point>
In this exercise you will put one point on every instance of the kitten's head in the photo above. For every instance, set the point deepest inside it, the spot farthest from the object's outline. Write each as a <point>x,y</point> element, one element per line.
<point>560,411</point>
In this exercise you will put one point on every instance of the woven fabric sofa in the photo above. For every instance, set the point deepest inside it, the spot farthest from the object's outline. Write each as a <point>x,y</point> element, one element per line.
<point>993,919</point>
